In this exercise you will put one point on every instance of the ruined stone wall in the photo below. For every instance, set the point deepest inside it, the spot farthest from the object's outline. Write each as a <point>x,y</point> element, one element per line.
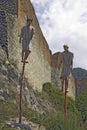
<point>55,72</point>
<point>38,71</point>
<point>42,66</point>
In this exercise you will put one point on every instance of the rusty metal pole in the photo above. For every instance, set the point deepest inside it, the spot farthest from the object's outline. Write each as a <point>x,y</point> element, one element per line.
<point>65,100</point>
<point>65,104</point>
<point>20,105</point>
<point>21,91</point>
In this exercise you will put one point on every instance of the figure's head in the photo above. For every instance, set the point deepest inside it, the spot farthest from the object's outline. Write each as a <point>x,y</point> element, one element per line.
<point>65,47</point>
<point>29,21</point>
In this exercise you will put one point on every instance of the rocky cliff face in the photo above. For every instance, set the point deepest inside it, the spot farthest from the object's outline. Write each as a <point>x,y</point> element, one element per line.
<point>8,42</point>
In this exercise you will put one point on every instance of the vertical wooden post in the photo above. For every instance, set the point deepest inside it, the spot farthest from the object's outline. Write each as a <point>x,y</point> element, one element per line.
<point>65,103</point>
<point>20,104</point>
<point>65,99</point>
<point>21,91</point>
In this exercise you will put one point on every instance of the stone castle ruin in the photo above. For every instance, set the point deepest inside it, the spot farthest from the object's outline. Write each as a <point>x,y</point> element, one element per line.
<point>42,66</point>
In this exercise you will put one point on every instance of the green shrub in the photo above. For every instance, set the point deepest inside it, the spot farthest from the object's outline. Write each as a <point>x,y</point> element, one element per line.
<point>81,104</point>
<point>57,98</point>
<point>59,122</point>
<point>31,115</point>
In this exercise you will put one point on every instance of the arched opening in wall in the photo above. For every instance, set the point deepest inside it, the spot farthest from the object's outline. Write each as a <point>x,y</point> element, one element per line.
<point>3,32</point>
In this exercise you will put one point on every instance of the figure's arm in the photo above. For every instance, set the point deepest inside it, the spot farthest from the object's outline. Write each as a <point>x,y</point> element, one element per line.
<point>32,33</point>
<point>72,61</point>
<point>59,61</point>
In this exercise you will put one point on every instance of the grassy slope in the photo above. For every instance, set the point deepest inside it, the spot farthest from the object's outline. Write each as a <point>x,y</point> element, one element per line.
<point>59,121</point>
<point>55,121</point>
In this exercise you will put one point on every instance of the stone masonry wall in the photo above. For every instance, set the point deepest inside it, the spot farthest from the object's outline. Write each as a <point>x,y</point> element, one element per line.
<point>9,6</point>
<point>55,72</point>
<point>39,70</point>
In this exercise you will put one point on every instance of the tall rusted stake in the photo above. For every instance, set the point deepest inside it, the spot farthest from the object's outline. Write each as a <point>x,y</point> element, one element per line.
<point>21,91</point>
<point>65,104</point>
<point>65,100</point>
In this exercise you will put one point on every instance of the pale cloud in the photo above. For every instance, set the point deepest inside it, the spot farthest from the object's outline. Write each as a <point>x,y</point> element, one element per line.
<point>65,21</point>
<point>40,2</point>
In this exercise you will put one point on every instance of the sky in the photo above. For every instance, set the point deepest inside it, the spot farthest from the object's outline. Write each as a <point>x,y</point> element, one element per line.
<point>64,22</point>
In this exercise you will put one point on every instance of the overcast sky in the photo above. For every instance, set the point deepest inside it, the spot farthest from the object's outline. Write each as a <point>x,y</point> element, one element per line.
<point>64,22</point>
